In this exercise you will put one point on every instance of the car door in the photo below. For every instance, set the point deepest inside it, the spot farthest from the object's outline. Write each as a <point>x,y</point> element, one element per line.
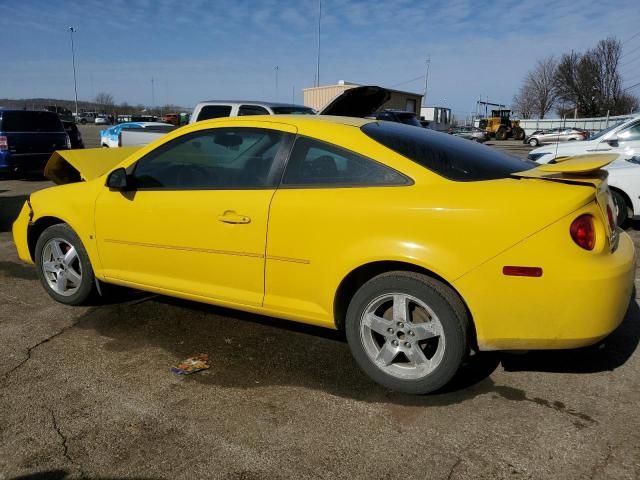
<point>195,220</point>
<point>328,197</point>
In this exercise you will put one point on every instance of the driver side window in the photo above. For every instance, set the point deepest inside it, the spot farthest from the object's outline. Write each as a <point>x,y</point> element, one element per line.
<point>221,158</point>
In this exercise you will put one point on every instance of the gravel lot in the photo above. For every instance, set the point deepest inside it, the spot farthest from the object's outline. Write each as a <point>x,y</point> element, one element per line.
<point>86,393</point>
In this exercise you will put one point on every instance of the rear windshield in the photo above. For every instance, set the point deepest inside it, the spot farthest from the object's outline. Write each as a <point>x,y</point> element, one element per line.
<point>292,111</point>
<point>27,121</point>
<point>449,156</point>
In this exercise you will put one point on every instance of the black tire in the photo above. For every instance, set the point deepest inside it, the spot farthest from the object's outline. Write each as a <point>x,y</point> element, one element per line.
<point>501,134</point>
<point>518,133</point>
<point>86,288</point>
<point>444,303</point>
<point>534,142</point>
<point>622,208</point>
<point>83,121</point>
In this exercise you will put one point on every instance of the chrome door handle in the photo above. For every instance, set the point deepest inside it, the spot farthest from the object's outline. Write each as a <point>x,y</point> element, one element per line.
<point>233,217</point>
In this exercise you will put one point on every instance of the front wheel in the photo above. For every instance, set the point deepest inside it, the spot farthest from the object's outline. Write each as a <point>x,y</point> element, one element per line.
<point>533,142</point>
<point>407,331</point>
<point>63,265</point>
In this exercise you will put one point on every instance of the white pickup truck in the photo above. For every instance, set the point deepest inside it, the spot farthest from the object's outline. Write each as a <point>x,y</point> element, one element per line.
<point>130,137</point>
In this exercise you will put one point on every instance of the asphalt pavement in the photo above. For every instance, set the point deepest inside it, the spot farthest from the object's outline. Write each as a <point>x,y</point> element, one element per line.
<point>86,392</point>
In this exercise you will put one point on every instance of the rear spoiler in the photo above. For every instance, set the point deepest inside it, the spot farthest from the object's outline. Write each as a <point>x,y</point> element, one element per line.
<point>578,169</point>
<point>68,166</point>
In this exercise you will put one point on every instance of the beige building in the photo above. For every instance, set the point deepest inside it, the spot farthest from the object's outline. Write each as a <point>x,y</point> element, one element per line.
<point>319,97</point>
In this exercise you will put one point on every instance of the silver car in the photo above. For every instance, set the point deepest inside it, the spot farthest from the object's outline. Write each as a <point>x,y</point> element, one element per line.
<point>555,135</point>
<point>470,133</point>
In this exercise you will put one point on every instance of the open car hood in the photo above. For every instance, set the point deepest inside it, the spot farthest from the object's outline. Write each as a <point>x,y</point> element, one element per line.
<point>357,102</point>
<point>68,166</point>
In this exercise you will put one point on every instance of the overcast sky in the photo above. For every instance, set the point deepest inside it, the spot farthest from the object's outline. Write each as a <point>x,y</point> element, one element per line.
<point>199,49</point>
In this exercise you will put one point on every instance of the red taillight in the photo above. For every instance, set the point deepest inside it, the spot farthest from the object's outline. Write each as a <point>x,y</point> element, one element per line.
<point>4,144</point>
<point>583,231</point>
<point>611,217</point>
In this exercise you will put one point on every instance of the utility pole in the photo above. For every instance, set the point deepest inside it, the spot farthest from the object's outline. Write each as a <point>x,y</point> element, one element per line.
<point>73,61</point>
<point>426,82</point>
<point>153,96</point>
<point>276,69</point>
<point>317,82</point>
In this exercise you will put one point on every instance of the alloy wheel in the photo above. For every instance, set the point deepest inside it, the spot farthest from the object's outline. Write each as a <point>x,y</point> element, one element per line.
<point>402,336</point>
<point>61,267</point>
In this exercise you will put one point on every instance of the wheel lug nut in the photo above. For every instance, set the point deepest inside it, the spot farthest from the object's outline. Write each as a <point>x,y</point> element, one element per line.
<point>407,344</point>
<point>411,333</point>
<point>395,343</point>
<point>400,324</point>
<point>390,330</point>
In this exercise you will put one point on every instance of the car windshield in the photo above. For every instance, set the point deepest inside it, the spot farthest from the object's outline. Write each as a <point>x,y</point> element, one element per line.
<point>27,121</point>
<point>293,110</point>
<point>602,133</point>
<point>449,156</point>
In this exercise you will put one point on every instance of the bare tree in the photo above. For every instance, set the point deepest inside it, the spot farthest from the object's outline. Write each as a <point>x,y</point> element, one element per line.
<point>537,95</point>
<point>104,101</point>
<point>523,103</point>
<point>591,82</point>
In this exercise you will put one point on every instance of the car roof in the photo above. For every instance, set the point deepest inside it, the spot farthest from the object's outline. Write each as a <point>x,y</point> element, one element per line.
<point>293,120</point>
<point>261,103</point>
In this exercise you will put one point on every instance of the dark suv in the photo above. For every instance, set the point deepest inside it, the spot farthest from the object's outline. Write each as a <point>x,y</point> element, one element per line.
<point>27,139</point>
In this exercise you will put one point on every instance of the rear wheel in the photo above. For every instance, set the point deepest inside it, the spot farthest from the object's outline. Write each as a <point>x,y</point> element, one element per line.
<point>407,331</point>
<point>534,142</point>
<point>501,134</point>
<point>63,265</point>
<point>622,209</point>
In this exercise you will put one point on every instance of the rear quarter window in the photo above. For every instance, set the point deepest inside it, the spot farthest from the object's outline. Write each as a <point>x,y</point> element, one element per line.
<point>27,121</point>
<point>449,156</point>
<point>214,111</point>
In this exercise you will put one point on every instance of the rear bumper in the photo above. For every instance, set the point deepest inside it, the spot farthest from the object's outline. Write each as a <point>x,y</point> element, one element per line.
<point>12,162</point>
<point>580,299</point>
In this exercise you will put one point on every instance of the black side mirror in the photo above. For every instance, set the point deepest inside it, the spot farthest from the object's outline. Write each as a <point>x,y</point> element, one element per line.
<point>118,179</point>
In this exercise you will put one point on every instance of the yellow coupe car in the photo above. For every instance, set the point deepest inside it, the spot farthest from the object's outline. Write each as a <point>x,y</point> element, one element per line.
<point>420,245</point>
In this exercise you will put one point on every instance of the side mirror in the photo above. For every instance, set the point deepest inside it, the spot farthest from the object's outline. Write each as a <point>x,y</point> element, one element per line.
<point>612,141</point>
<point>118,179</point>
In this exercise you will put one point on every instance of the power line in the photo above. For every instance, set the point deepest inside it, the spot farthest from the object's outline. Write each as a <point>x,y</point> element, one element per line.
<point>408,81</point>
<point>630,62</point>
<point>632,87</point>
<point>629,53</point>
<point>631,38</point>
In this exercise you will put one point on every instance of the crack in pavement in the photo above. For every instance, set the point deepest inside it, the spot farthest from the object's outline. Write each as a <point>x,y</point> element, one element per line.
<point>7,374</point>
<point>65,447</point>
<point>453,467</point>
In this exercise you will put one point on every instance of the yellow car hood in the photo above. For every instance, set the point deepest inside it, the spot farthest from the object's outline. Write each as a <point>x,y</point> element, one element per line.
<point>68,166</point>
